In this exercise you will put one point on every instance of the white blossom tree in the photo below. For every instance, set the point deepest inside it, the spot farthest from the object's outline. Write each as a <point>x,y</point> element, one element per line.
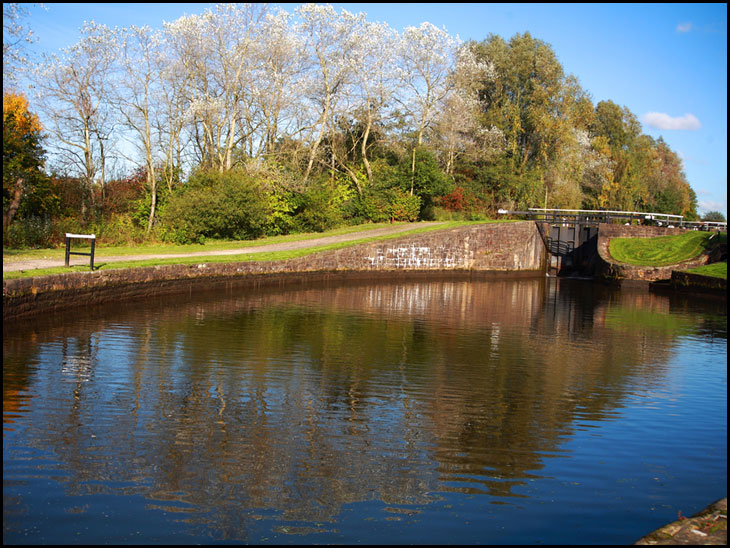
<point>330,41</point>
<point>137,96</point>
<point>426,61</point>
<point>277,88</point>
<point>217,52</point>
<point>374,71</point>
<point>172,110</point>
<point>72,89</point>
<point>16,36</point>
<point>457,124</point>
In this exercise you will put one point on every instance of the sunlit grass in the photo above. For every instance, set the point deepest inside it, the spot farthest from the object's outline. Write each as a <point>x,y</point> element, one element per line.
<point>715,270</point>
<point>659,251</point>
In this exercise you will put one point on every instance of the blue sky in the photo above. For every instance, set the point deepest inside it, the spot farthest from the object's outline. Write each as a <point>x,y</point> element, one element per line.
<point>666,62</point>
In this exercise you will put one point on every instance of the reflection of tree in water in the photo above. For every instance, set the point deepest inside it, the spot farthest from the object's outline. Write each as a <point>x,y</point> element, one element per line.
<point>17,376</point>
<point>300,402</point>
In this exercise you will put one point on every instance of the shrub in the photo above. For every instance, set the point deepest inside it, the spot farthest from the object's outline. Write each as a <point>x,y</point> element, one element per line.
<point>39,232</point>
<point>368,207</point>
<point>427,183</point>
<point>215,205</point>
<point>323,205</point>
<point>119,230</point>
<point>462,199</point>
<point>280,216</point>
<point>401,206</point>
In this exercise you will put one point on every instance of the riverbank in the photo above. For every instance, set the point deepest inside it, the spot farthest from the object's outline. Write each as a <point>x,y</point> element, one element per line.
<point>688,282</point>
<point>708,527</point>
<point>248,248</point>
<point>514,249</point>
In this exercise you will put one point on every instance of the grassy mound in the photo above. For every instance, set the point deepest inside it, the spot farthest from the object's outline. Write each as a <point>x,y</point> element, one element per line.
<point>660,251</point>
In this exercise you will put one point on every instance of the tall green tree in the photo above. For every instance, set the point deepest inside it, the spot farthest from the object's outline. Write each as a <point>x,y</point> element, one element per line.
<point>715,216</point>
<point>667,185</point>
<point>535,105</point>
<point>645,173</point>
<point>615,131</point>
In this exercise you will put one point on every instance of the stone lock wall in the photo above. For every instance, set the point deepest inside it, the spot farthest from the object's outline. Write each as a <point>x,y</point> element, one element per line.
<point>502,249</point>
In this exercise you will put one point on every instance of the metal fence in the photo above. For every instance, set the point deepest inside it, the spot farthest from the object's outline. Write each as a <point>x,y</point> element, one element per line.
<point>595,217</point>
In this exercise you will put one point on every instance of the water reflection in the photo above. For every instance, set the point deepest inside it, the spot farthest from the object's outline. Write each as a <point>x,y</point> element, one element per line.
<point>288,405</point>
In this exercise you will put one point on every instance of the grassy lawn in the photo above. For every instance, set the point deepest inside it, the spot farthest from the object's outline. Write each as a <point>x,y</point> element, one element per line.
<point>100,253</point>
<point>660,251</point>
<point>715,270</point>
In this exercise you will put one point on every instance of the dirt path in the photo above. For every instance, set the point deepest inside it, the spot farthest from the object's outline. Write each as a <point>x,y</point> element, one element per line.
<point>10,265</point>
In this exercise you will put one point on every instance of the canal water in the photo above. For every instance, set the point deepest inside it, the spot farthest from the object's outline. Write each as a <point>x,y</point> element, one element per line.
<point>445,412</point>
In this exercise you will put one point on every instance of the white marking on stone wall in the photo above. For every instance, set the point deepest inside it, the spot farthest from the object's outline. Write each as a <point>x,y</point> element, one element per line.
<point>415,257</point>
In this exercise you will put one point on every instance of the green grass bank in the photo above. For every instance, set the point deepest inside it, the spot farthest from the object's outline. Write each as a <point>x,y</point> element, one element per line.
<point>662,250</point>
<point>250,249</point>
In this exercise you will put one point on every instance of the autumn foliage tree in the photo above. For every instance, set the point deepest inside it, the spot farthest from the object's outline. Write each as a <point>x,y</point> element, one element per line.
<point>23,154</point>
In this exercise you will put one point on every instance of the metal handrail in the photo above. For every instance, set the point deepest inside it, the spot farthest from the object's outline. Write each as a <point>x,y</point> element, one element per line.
<point>612,213</point>
<point>583,216</point>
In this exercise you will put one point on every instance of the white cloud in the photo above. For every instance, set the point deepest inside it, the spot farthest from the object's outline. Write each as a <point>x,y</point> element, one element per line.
<point>711,201</point>
<point>684,27</point>
<point>659,120</point>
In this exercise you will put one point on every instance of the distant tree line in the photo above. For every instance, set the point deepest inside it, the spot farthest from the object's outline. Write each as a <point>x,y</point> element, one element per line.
<point>247,121</point>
